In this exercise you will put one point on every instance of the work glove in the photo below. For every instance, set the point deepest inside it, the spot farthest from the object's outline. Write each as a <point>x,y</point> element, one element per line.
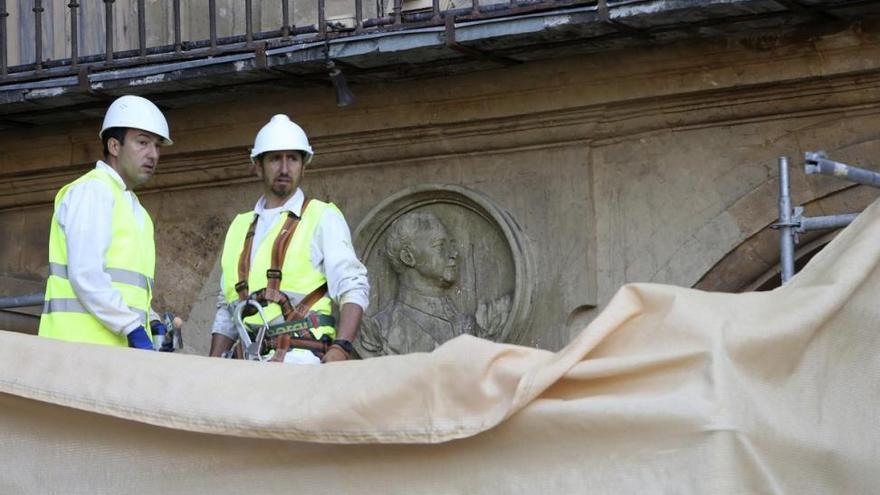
<point>139,339</point>
<point>159,332</point>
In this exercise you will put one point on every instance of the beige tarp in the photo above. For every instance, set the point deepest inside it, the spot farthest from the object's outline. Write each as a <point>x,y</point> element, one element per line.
<point>670,390</point>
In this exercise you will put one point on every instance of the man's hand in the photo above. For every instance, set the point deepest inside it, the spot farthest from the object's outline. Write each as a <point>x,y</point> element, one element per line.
<point>334,353</point>
<point>139,339</point>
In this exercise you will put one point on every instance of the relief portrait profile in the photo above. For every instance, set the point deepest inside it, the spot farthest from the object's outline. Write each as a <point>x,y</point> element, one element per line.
<point>438,269</point>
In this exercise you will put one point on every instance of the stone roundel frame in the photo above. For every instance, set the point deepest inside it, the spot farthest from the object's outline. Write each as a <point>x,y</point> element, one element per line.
<point>378,219</point>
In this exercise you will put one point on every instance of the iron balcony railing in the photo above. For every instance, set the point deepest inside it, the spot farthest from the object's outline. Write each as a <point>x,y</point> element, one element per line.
<point>402,14</point>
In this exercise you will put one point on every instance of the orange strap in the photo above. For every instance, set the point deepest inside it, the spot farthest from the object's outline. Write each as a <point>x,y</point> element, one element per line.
<point>279,249</point>
<point>281,347</point>
<point>244,261</point>
<point>272,293</point>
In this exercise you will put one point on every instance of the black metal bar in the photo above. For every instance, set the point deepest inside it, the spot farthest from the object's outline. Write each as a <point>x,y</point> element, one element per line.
<point>322,18</point>
<point>476,7</point>
<point>108,30</point>
<point>186,50</point>
<point>142,27</point>
<point>260,56</point>
<point>3,15</point>
<point>249,21</point>
<point>74,33</point>
<point>178,46</point>
<point>815,10</point>
<point>38,35</point>
<point>359,15</point>
<point>82,79</point>
<point>605,17</point>
<point>285,19</point>
<point>435,9</point>
<point>398,12</point>
<point>212,22</point>
<point>161,54</point>
<point>453,44</point>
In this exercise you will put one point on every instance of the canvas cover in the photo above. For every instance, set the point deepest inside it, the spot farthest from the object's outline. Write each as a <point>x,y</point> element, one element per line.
<point>669,390</point>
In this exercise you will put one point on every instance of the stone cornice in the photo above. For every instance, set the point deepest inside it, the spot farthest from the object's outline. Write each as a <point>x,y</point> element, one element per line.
<point>590,124</point>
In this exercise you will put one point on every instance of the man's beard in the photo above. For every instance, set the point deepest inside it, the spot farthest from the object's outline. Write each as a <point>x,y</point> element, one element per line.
<point>283,190</point>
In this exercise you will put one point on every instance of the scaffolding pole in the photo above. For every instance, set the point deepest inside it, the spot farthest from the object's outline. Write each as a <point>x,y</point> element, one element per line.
<point>817,162</point>
<point>785,225</point>
<point>806,224</point>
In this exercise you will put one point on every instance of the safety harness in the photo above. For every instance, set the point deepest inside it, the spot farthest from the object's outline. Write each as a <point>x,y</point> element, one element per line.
<point>295,331</point>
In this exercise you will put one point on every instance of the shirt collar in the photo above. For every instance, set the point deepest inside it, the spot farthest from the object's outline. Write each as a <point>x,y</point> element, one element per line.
<point>294,204</point>
<point>101,165</point>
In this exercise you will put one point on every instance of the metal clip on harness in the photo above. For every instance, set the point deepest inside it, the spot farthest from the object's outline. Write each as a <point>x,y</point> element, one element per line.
<point>250,349</point>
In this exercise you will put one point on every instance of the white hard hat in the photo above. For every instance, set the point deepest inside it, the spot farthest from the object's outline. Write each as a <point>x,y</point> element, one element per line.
<point>136,113</point>
<point>281,134</point>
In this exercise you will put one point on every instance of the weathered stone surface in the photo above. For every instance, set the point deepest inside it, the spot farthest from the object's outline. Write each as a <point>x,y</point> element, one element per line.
<point>443,261</point>
<point>651,164</point>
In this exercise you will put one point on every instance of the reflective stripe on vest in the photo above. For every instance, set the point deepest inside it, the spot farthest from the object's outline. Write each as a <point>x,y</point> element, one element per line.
<point>129,262</point>
<point>119,275</point>
<point>298,278</point>
<point>61,305</point>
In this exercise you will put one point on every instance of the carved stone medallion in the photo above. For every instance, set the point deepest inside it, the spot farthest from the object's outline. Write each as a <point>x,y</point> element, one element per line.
<point>443,261</point>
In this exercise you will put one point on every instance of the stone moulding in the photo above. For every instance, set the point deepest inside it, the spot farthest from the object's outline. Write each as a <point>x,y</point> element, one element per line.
<point>30,183</point>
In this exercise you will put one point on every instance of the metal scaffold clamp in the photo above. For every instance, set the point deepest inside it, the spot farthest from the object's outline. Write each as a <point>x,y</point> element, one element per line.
<point>792,220</point>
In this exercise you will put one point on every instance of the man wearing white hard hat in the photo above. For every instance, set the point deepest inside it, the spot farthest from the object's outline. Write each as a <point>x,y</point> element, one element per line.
<point>101,249</point>
<point>293,255</point>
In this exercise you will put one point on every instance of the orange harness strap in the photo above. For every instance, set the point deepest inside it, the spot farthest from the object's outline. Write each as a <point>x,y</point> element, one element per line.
<point>244,261</point>
<point>272,293</point>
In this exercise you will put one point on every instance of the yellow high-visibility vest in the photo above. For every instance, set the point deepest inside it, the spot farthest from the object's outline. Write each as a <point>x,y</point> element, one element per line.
<point>130,261</point>
<point>298,276</point>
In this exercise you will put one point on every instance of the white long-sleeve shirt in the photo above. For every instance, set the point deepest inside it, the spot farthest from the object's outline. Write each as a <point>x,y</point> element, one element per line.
<point>85,215</point>
<point>331,252</point>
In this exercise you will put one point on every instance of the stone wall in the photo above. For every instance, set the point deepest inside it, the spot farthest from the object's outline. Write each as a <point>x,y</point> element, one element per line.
<point>647,165</point>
